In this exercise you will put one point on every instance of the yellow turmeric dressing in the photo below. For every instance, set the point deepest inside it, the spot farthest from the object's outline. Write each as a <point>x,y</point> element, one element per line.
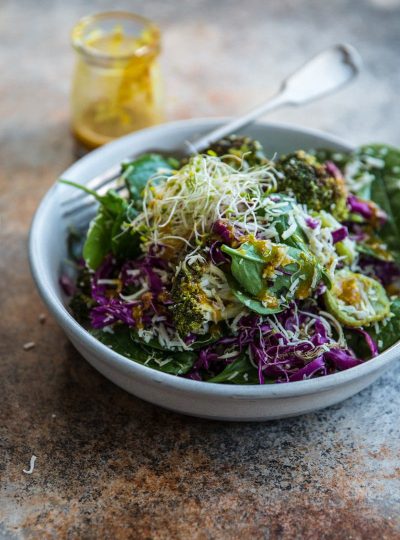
<point>117,87</point>
<point>348,291</point>
<point>269,300</point>
<point>275,256</point>
<point>137,314</point>
<point>278,258</point>
<point>304,290</point>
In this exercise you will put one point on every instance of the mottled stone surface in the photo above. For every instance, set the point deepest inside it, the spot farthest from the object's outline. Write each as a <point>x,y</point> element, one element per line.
<point>109,465</point>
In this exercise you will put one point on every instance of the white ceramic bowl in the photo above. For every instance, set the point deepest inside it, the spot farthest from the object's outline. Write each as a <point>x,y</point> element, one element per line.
<point>47,249</point>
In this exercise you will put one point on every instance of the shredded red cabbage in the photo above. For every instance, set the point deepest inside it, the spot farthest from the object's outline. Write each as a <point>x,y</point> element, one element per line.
<point>112,312</point>
<point>341,359</point>
<point>226,232</point>
<point>360,207</point>
<point>273,354</point>
<point>333,169</point>
<point>311,222</point>
<point>112,308</point>
<point>216,255</point>
<point>310,370</point>
<point>340,234</point>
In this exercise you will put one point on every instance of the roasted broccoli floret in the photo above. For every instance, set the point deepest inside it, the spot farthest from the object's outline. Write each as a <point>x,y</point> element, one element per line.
<point>312,183</point>
<point>189,301</point>
<point>202,298</point>
<point>244,148</point>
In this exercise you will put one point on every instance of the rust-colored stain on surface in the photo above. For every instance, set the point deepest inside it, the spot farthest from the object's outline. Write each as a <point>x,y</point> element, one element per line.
<point>109,465</point>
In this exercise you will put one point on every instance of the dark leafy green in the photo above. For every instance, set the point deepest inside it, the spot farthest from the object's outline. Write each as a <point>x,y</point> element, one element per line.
<point>241,371</point>
<point>247,268</point>
<point>201,341</point>
<point>387,336</point>
<point>98,240</point>
<point>389,333</point>
<point>281,224</point>
<point>80,306</point>
<point>125,241</point>
<point>82,302</point>
<point>385,191</point>
<point>105,232</point>
<point>248,301</point>
<point>120,341</point>
<point>141,169</point>
<point>109,230</point>
<point>384,170</point>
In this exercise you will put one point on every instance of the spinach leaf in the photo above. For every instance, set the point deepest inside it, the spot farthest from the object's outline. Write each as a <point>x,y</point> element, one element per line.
<point>138,172</point>
<point>252,303</point>
<point>380,164</point>
<point>82,302</point>
<point>120,341</point>
<point>177,363</point>
<point>385,190</point>
<point>390,332</point>
<point>281,223</point>
<point>241,371</point>
<point>98,239</point>
<point>247,267</point>
<point>125,241</point>
<point>106,232</point>
<point>112,203</point>
<point>201,341</point>
<point>387,336</point>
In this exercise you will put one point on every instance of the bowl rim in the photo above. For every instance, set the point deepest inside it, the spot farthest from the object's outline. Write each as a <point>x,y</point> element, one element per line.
<point>144,373</point>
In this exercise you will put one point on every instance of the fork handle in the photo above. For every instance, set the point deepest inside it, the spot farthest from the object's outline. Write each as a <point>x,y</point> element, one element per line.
<point>321,75</point>
<point>236,124</point>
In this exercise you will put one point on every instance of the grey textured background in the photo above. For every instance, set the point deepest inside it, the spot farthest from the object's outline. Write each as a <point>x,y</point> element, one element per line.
<point>109,465</point>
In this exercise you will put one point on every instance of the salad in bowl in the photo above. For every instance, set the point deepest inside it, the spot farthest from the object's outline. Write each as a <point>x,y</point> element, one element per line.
<point>241,266</point>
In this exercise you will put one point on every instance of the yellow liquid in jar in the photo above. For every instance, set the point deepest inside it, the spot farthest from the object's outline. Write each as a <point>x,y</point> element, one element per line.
<point>116,97</point>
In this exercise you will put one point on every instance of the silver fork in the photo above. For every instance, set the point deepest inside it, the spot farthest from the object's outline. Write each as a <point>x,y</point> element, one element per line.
<point>321,75</point>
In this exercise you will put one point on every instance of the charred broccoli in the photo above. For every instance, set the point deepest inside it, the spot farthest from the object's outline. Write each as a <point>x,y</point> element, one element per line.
<point>202,298</point>
<point>242,147</point>
<point>188,297</point>
<point>312,183</point>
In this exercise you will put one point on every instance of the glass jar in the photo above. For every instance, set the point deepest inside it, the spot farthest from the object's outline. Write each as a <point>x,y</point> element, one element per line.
<point>116,85</point>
